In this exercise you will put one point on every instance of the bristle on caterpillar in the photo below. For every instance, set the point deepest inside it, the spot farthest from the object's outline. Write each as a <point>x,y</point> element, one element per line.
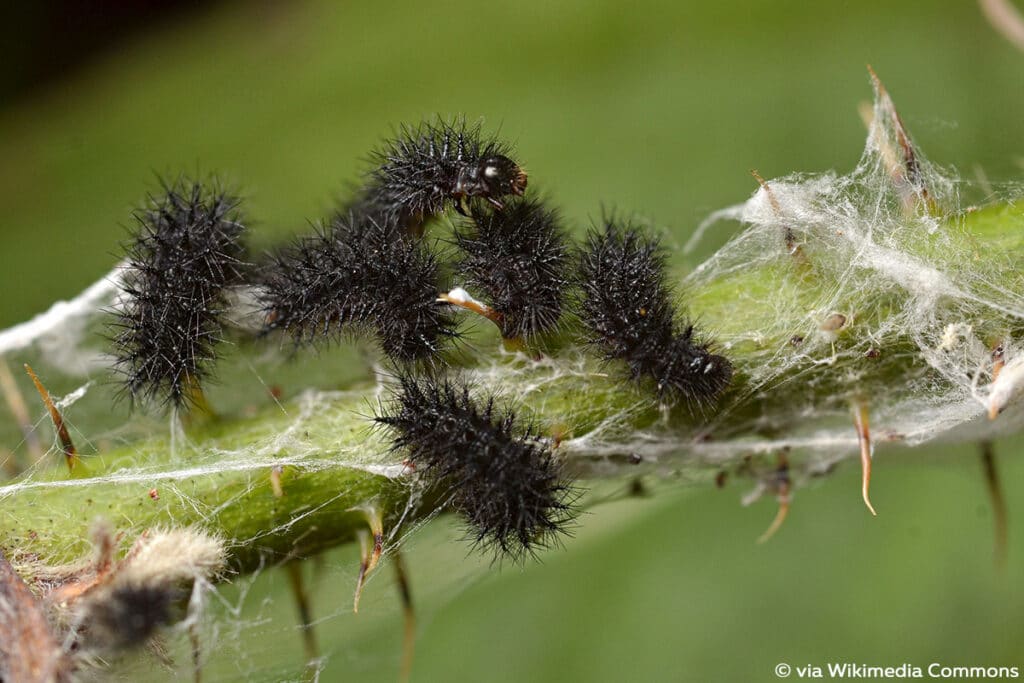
<point>519,259</point>
<point>503,480</point>
<point>426,167</point>
<point>359,274</point>
<point>626,308</point>
<point>186,251</point>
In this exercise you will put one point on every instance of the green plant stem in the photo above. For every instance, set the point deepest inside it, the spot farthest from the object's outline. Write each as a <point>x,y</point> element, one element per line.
<point>332,461</point>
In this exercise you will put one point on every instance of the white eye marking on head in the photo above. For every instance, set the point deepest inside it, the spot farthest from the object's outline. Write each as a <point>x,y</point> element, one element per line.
<point>490,171</point>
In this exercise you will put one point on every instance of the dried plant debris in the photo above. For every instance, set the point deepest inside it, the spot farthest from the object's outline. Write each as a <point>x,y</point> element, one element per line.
<point>29,651</point>
<point>93,610</point>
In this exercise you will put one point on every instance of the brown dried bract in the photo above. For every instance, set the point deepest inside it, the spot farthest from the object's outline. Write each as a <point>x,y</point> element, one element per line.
<point>29,652</point>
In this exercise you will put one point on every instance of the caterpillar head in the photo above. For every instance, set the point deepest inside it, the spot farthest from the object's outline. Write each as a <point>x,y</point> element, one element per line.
<point>494,177</point>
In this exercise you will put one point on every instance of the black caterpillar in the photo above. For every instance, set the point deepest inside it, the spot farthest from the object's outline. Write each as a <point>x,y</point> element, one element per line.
<point>359,274</point>
<point>187,250</point>
<point>627,310</point>
<point>520,259</point>
<point>504,482</point>
<point>367,272</point>
<point>424,168</point>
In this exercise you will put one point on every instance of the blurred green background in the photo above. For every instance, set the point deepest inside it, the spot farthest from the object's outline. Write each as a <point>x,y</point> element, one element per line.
<point>660,108</point>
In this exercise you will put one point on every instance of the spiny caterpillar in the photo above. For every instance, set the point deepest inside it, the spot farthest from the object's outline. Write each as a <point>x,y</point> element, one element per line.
<point>519,258</point>
<point>186,251</point>
<point>424,168</point>
<point>627,310</point>
<point>465,451</point>
<point>364,272</point>
<point>503,480</point>
<point>359,273</point>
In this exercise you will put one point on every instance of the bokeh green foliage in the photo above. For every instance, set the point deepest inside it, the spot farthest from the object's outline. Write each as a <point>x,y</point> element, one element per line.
<point>659,108</point>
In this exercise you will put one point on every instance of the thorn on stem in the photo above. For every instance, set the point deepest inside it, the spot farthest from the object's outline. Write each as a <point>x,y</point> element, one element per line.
<point>792,246</point>
<point>463,299</point>
<point>369,552</point>
<point>70,454</point>
<point>301,598</point>
<point>907,177</point>
<point>783,486</point>
<point>776,207</point>
<point>9,463</point>
<point>408,613</point>
<point>861,423</point>
<point>197,652</point>
<point>275,481</point>
<point>16,404</point>
<point>998,501</point>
